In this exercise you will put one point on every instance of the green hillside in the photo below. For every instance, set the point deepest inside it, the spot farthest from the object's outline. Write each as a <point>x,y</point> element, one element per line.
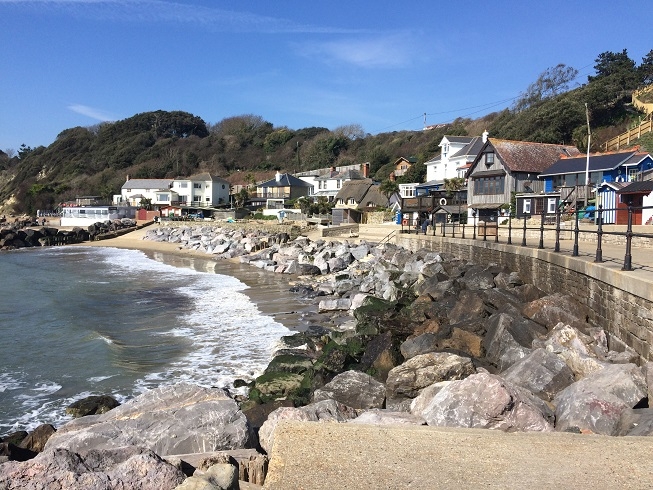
<point>96,160</point>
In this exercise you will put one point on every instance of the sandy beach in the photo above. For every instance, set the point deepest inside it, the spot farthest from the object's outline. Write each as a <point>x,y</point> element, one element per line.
<point>269,291</point>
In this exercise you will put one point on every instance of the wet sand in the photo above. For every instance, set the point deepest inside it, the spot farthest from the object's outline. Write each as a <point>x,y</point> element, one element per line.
<point>268,290</point>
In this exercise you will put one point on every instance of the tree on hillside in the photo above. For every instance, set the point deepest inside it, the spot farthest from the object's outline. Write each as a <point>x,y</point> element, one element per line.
<point>389,188</point>
<point>551,82</point>
<point>350,131</point>
<point>646,69</point>
<point>618,67</point>
<point>24,151</point>
<point>378,157</point>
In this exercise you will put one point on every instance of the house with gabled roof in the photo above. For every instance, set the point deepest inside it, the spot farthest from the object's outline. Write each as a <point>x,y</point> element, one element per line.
<point>568,175</point>
<point>328,182</point>
<point>274,193</point>
<point>503,167</point>
<point>157,191</point>
<point>456,155</point>
<point>201,190</point>
<point>402,165</point>
<point>354,198</point>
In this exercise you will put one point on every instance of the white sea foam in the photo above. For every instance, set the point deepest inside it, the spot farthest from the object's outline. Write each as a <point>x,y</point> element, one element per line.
<point>224,335</point>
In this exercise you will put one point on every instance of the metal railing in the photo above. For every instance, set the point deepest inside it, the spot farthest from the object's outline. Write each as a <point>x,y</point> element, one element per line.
<point>549,224</point>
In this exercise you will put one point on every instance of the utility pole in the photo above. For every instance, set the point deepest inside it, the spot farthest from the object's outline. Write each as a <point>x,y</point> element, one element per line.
<point>587,164</point>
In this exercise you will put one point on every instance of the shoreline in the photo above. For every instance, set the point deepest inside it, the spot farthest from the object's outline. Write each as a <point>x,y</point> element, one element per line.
<point>268,291</point>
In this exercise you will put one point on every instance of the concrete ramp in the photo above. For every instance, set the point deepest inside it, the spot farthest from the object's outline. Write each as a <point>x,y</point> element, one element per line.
<point>350,456</point>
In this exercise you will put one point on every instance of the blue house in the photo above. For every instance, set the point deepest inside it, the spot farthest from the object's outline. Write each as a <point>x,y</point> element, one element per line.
<point>567,175</point>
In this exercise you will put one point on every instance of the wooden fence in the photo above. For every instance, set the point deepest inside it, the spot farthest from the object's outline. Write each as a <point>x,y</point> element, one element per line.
<point>626,138</point>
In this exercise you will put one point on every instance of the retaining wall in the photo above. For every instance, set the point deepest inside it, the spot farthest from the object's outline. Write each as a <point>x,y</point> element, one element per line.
<point>620,302</point>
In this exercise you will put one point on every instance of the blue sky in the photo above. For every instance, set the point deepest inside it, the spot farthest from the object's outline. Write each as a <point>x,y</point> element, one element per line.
<point>380,64</point>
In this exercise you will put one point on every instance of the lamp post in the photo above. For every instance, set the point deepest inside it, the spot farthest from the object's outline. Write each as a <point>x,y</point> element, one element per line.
<point>474,218</point>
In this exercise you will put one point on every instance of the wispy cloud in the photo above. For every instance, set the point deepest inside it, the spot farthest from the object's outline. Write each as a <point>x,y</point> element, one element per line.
<point>383,52</point>
<point>173,12</point>
<point>92,112</point>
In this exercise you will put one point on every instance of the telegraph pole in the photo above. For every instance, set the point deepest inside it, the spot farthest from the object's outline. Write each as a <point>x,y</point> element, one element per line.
<point>587,164</point>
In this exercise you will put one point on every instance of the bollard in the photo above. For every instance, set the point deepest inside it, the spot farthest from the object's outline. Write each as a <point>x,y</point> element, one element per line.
<point>496,236</point>
<point>628,258</point>
<point>510,225</point>
<point>557,245</point>
<point>541,244</point>
<point>599,235</point>
<point>575,251</point>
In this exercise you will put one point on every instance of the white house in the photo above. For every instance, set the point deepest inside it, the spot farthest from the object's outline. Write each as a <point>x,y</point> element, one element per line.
<point>201,190</point>
<point>156,190</point>
<point>457,154</point>
<point>328,181</point>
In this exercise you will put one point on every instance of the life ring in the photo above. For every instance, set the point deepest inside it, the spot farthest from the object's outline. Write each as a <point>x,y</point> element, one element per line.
<point>404,222</point>
<point>443,201</point>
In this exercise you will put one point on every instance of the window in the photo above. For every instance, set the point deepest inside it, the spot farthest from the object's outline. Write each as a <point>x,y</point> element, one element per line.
<point>527,206</point>
<point>340,201</point>
<point>183,185</point>
<point>489,185</point>
<point>445,150</point>
<point>489,159</point>
<point>371,205</point>
<point>551,205</point>
<point>162,197</point>
<point>208,199</point>
<point>632,174</point>
<point>338,183</point>
<point>351,200</point>
<point>197,186</point>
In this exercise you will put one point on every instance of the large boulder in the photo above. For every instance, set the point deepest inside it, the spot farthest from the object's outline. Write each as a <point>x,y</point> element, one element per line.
<point>381,356</point>
<point>177,419</point>
<point>596,403</point>
<point>575,348</point>
<point>501,348</point>
<point>408,379</point>
<point>323,411</point>
<point>542,373</point>
<point>120,468</point>
<point>486,401</point>
<point>92,405</point>
<point>636,422</point>
<point>354,389</point>
<point>38,438</point>
<point>553,309</point>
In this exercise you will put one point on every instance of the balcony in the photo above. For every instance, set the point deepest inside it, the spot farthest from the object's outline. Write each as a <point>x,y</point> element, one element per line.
<point>272,195</point>
<point>192,204</point>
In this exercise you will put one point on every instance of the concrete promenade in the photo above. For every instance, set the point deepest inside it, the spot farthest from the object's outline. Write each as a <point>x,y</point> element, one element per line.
<point>333,456</point>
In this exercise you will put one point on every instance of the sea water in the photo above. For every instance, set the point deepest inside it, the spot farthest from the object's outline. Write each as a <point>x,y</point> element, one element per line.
<point>77,321</point>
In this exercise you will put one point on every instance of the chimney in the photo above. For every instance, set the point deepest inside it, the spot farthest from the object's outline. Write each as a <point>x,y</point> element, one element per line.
<point>485,135</point>
<point>278,177</point>
<point>127,178</point>
<point>366,170</point>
